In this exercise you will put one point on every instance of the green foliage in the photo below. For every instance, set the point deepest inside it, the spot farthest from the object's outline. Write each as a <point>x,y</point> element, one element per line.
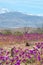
<point>18,33</point>
<point>7,32</point>
<point>29,61</point>
<point>39,30</point>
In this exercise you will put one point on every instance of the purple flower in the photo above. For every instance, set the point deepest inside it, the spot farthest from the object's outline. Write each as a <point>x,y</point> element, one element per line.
<point>39,58</point>
<point>18,62</point>
<point>31,51</point>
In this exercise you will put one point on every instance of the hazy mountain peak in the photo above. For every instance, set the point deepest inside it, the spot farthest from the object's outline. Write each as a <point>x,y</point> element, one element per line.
<point>18,19</point>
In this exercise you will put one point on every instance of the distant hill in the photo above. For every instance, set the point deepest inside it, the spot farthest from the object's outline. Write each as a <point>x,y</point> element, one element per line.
<point>21,30</point>
<point>18,19</point>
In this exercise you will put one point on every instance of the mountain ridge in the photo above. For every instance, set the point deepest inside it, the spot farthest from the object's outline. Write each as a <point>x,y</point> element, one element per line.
<point>18,19</point>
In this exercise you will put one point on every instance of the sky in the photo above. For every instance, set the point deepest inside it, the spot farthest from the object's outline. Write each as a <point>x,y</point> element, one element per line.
<point>25,6</point>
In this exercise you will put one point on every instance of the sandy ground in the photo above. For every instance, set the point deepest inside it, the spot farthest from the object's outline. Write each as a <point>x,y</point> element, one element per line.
<point>22,45</point>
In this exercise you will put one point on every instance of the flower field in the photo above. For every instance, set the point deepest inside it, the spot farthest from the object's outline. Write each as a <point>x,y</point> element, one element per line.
<point>26,37</point>
<point>21,55</point>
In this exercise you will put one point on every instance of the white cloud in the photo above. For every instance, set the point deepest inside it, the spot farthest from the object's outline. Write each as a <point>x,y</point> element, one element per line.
<point>35,14</point>
<point>3,10</point>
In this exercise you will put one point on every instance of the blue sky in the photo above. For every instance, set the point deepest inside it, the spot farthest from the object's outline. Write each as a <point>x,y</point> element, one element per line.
<point>25,6</point>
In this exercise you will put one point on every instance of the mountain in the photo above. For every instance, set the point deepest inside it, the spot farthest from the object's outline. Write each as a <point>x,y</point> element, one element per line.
<point>18,19</point>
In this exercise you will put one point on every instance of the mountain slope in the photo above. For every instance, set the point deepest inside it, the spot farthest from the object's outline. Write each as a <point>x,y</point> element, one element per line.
<point>17,19</point>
